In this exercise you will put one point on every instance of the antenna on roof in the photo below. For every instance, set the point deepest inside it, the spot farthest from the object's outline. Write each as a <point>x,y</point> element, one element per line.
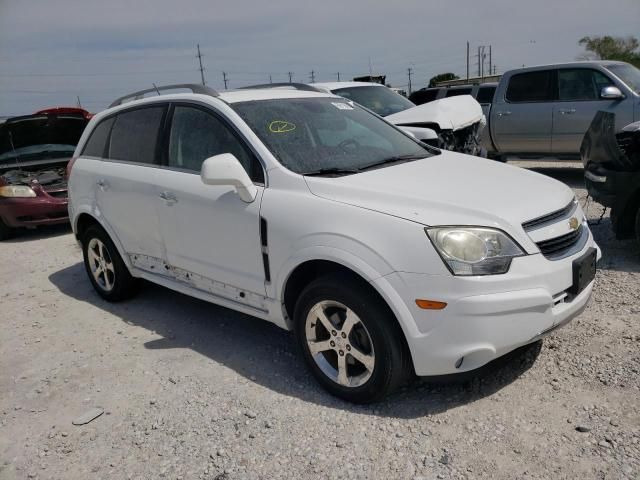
<point>157,91</point>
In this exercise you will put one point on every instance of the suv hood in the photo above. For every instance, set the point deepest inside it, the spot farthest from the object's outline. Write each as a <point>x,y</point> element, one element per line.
<point>451,189</point>
<point>451,113</point>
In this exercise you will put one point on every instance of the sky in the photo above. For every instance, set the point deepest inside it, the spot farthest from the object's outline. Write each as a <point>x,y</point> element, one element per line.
<point>53,51</point>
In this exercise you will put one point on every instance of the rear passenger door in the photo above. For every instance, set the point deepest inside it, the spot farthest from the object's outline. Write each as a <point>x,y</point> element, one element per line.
<point>212,237</point>
<point>125,185</point>
<point>578,102</point>
<point>521,122</point>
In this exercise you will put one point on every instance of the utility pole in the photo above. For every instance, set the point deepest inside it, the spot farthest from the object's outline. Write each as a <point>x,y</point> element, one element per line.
<point>79,104</point>
<point>199,56</point>
<point>312,76</point>
<point>467,60</point>
<point>494,69</point>
<point>270,79</point>
<point>290,76</point>
<point>479,57</point>
<point>224,79</point>
<point>338,75</point>
<point>490,64</point>
<point>409,72</point>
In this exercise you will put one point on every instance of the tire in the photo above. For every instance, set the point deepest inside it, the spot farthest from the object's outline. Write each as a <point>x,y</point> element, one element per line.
<point>6,231</point>
<point>107,272</point>
<point>372,335</point>
<point>638,225</point>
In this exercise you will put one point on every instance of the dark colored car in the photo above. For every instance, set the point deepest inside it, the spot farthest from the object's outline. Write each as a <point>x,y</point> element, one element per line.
<point>34,153</point>
<point>612,171</point>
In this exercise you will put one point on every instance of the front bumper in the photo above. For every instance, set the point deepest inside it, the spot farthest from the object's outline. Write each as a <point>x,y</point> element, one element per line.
<point>35,211</point>
<point>485,317</point>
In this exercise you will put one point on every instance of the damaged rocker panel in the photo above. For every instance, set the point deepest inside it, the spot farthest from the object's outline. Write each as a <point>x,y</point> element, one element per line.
<point>158,266</point>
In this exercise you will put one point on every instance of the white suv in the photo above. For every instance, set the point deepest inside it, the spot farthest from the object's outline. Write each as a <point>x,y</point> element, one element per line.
<point>384,256</point>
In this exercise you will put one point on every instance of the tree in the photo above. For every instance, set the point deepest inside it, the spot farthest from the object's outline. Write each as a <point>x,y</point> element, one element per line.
<point>443,77</point>
<point>612,48</point>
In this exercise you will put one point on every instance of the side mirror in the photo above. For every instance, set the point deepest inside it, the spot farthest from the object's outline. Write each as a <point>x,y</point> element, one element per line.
<point>225,169</point>
<point>611,93</point>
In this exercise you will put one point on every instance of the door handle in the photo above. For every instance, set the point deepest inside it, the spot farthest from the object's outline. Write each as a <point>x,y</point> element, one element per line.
<point>168,197</point>
<point>504,114</point>
<point>102,184</point>
<point>567,112</point>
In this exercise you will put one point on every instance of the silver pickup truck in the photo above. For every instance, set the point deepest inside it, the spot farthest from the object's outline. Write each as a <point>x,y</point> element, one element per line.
<point>545,111</point>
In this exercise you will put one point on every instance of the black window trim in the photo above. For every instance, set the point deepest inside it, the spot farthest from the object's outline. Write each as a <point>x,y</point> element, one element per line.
<point>579,68</point>
<point>114,115</point>
<point>554,86</point>
<point>207,108</point>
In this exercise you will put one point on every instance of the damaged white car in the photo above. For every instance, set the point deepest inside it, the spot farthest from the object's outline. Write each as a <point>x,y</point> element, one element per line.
<point>454,123</point>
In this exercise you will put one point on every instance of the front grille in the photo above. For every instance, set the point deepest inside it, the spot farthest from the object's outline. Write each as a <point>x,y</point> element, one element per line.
<point>551,217</point>
<point>558,246</point>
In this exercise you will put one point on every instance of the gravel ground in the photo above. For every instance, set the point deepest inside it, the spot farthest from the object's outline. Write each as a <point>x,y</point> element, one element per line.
<point>191,390</point>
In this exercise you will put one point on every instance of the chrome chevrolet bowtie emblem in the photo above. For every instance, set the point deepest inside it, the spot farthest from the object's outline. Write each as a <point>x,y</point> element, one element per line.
<point>574,223</point>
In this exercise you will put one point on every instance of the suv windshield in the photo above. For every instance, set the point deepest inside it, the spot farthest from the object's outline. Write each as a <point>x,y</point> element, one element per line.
<point>376,98</point>
<point>326,135</point>
<point>628,74</point>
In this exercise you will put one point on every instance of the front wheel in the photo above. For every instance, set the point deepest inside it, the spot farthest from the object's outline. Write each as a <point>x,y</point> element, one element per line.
<point>106,270</point>
<point>6,231</point>
<point>350,340</point>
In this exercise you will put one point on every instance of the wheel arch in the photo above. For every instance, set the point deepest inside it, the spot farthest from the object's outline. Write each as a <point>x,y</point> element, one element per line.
<point>308,270</point>
<point>86,219</point>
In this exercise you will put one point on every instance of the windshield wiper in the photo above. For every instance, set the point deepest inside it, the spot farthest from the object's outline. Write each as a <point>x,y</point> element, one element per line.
<point>330,171</point>
<point>390,160</point>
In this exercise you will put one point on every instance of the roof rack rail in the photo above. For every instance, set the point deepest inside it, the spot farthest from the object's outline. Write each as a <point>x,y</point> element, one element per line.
<point>194,87</point>
<point>294,86</point>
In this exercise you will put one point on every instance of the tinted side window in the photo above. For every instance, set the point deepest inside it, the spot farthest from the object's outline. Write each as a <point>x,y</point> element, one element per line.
<point>531,87</point>
<point>485,94</point>
<point>96,146</point>
<point>581,84</point>
<point>454,92</point>
<point>197,135</point>
<point>423,96</point>
<point>134,136</point>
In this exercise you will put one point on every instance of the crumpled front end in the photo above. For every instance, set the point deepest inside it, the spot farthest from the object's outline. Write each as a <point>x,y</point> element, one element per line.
<point>458,121</point>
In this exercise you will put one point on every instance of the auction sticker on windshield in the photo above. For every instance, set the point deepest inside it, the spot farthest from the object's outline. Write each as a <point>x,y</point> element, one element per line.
<point>342,106</point>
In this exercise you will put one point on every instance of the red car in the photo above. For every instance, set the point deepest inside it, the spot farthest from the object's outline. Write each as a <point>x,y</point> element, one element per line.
<point>34,152</point>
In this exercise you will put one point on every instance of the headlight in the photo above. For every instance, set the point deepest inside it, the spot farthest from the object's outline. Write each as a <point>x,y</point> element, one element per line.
<point>474,250</point>
<point>17,191</point>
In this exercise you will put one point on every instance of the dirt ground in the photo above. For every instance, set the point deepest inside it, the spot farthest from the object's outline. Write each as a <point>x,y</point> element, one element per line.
<point>192,390</point>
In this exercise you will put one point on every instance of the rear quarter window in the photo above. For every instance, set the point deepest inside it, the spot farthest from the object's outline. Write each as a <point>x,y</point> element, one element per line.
<point>531,87</point>
<point>485,94</point>
<point>134,136</point>
<point>96,146</point>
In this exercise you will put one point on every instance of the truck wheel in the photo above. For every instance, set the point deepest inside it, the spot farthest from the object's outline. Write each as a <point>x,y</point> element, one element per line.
<point>106,270</point>
<point>5,231</point>
<point>350,340</point>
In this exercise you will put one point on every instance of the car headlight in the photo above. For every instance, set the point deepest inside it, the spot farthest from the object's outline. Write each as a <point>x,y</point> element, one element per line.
<point>13,191</point>
<point>474,250</point>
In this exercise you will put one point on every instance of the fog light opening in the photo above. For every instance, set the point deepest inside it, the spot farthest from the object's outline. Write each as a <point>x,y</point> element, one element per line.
<point>459,362</point>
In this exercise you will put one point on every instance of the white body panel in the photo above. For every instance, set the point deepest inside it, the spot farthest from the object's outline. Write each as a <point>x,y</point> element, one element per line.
<point>372,223</point>
<point>451,113</point>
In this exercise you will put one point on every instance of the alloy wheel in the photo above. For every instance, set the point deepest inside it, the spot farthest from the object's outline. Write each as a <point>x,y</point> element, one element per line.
<point>101,264</point>
<point>339,343</point>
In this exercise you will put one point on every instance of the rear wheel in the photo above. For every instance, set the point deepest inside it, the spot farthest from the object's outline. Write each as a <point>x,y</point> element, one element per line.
<point>350,340</point>
<point>106,270</point>
<point>5,230</point>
